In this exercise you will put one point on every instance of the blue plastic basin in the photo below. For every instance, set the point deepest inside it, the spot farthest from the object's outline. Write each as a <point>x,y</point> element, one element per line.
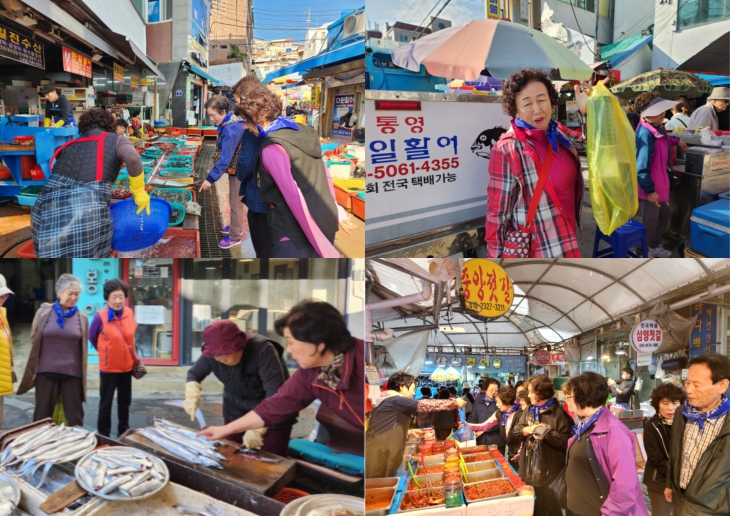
<point>132,232</point>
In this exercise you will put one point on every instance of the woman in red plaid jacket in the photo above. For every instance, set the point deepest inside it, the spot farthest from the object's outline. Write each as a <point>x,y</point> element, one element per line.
<point>514,166</point>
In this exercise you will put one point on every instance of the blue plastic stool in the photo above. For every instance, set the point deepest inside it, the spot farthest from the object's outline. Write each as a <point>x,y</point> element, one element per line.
<point>624,238</point>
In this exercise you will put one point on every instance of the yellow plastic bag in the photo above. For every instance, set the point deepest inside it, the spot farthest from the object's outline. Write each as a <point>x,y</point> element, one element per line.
<point>59,416</point>
<point>611,161</point>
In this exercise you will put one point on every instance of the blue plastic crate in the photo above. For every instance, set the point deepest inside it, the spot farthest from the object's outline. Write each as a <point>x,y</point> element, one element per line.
<point>709,229</point>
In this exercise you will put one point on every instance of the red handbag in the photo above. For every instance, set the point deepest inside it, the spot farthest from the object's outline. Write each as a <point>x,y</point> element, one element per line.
<point>517,241</point>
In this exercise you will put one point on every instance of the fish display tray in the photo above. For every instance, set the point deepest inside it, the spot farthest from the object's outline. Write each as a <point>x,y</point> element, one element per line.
<point>175,173</point>
<point>86,460</point>
<point>58,477</point>
<point>172,195</point>
<point>243,472</point>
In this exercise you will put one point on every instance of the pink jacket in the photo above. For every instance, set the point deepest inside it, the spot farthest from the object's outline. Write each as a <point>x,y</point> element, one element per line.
<point>653,157</point>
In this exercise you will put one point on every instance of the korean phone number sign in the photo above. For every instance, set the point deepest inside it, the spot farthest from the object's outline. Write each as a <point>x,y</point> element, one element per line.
<point>646,337</point>
<point>20,48</point>
<point>118,73</point>
<point>488,290</point>
<point>76,63</point>
<point>704,334</point>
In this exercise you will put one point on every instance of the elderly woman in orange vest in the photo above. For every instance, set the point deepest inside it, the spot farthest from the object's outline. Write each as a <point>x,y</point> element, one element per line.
<point>112,334</point>
<point>7,375</point>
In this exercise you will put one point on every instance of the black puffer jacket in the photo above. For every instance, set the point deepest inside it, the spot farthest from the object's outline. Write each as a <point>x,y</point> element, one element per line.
<point>480,412</point>
<point>259,375</point>
<point>553,448</point>
<point>657,438</point>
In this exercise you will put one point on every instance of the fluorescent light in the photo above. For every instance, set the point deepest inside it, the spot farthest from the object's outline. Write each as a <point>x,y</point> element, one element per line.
<point>482,366</point>
<point>590,357</point>
<point>210,268</point>
<point>448,329</point>
<point>620,351</point>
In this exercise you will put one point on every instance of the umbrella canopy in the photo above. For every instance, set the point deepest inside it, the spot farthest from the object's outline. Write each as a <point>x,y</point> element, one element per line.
<point>500,47</point>
<point>714,58</point>
<point>669,84</point>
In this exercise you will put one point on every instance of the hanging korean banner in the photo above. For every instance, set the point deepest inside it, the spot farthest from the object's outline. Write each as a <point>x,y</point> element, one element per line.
<point>118,72</point>
<point>344,111</point>
<point>493,8</point>
<point>488,290</point>
<point>145,81</point>
<point>134,81</point>
<point>704,338</point>
<point>17,47</point>
<point>76,63</point>
<point>316,94</point>
<point>646,337</point>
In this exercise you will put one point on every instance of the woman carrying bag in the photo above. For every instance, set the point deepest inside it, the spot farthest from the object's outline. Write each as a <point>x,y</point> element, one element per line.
<point>112,335</point>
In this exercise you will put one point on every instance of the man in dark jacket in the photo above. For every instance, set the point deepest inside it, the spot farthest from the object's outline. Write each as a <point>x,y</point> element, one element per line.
<point>698,471</point>
<point>665,399</point>
<point>624,389</point>
<point>485,406</point>
<point>251,368</point>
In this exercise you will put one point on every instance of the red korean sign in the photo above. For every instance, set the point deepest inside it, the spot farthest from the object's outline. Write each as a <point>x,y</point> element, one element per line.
<point>557,358</point>
<point>543,357</point>
<point>74,62</point>
<point>646,337</point>
<point>488,290</point>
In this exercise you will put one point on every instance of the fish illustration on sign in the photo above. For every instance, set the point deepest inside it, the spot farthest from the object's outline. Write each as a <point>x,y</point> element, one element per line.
<point>482,146</point>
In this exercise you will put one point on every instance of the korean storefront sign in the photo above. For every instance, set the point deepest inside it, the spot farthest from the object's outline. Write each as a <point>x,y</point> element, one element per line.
<point>145,81</point>
<point>344,112</point>
<point>492,365</point>
<point>493,8</point>
<point>316,94</point>
<point>18,47</point>
<point>646,337</point>
<point>134,81</point>
<point>703,339</point>
<point>542,357</point>
<point>118,72</point>
<point>76,63</point>
<point>488,290</point>
<point>93,273</point>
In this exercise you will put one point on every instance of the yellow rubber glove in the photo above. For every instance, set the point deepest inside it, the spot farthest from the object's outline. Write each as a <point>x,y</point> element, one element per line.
<point>60,123</point>
<point>141,197</point>
<point>192,398</point>
<point>254,438</point>
<point>47,122</point>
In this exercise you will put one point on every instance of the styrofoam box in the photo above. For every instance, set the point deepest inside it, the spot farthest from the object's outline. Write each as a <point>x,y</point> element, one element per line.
<point>31,499</point>
<point>441,511</point>
<point>161,504</point>
<point>515,506</point>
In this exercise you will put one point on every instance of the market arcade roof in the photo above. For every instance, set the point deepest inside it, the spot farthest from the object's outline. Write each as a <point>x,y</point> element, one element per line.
<point>555,299</point>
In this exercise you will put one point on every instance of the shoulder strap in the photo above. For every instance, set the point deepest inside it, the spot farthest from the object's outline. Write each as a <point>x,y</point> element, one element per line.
<point>542,178</point>
<point>99,152</point>
<point>604,486</point>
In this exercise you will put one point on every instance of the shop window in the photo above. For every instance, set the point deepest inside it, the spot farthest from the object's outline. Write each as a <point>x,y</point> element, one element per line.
<point>252,292</point>
<point>140,5</point>
<point>586,5</point>
<point>159,10</point>
<point>698,12</point>
<point>151,297</point>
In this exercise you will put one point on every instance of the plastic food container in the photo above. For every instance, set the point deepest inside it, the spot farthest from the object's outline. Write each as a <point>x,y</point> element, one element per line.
<point>452,493</point>
<point>177,214</point>
<point>379,501</point>
<point>471,491</point>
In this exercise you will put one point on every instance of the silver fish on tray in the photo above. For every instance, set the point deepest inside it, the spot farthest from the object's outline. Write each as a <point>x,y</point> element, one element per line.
<point>253,454</point>
<point>208,510</point>
<point>184,448</point>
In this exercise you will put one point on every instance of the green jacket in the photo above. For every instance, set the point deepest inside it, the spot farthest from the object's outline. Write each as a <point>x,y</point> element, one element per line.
<point>708,492</point>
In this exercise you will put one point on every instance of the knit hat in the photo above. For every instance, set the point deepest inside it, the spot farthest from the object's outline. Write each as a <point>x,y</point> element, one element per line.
<point>222,337</point>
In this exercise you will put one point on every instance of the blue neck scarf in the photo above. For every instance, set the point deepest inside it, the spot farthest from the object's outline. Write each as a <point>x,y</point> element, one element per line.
<point>582,426</point>
<point>62,316</point>
<point>692,414</point>
<point>279,123</point>
<point>488,400</point>
<point>507,414</point>
<point>553,135</point>
<point>535,409</point>
<point>226,119</point>
<point>116,313</point>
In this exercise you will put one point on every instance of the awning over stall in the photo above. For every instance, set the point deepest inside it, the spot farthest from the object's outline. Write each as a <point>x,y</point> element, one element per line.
<point>349,51</point>
<point>554,299</point>
<point>127,46</point>
<point>714,58</point>
<point>205,75</point>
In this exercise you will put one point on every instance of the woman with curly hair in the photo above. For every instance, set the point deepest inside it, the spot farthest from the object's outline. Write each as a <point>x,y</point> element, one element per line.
<point>654,164</point>
<point>293,181</point>
<point>71,217</point>
<point>666,399</point>
<point>527,215</point>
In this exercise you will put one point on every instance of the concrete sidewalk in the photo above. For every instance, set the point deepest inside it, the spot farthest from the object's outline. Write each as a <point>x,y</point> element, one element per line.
<point>145,407</point>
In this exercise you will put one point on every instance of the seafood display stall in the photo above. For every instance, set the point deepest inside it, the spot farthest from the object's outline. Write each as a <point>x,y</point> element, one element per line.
<point>455,481</point>
<point>460,481</point>
<point>161,469</point>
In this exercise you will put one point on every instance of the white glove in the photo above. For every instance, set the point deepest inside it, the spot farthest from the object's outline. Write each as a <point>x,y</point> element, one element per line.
<point>254,438</point>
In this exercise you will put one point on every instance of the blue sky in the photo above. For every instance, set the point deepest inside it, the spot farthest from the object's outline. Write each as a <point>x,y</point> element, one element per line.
<point>278,19</point>
<point>414,11</point>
